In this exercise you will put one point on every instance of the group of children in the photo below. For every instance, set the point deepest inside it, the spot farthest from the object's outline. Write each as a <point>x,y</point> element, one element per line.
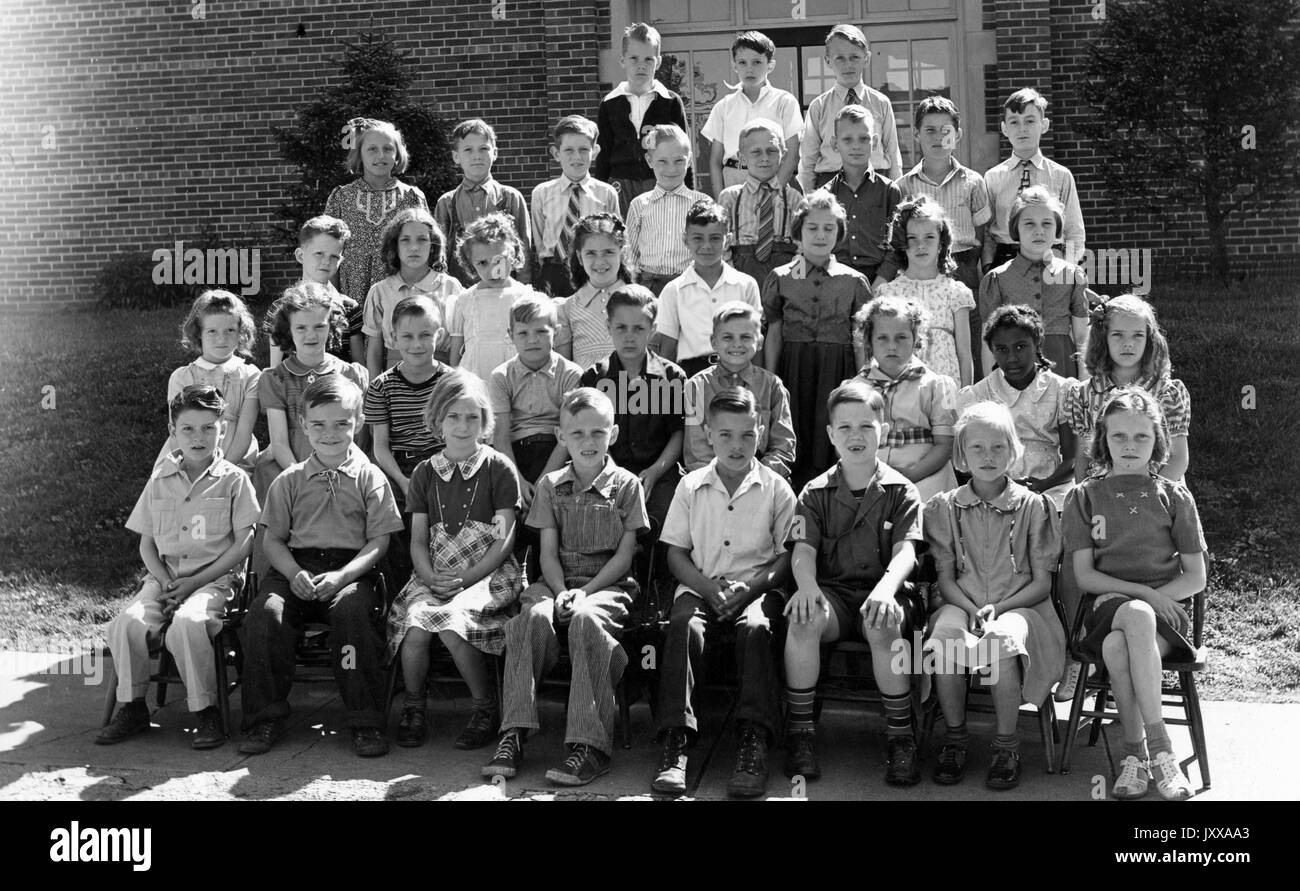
<point>617,364</point>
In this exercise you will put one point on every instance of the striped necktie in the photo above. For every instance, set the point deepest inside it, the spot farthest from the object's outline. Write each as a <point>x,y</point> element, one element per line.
<point>851,98</point>
<point>766,233</point>
<point>571,216</point>
<point>1024,175</point>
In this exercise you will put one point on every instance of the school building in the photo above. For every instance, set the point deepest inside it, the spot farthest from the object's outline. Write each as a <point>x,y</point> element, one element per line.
<point>131,125</point>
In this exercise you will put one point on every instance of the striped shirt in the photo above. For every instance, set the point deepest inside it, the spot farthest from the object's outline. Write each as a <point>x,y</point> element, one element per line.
<point>741,203</point>
<point>1004,184</point>
<point>584,326</point>
<point>656,222</point>
<point>387,293</point>
<point>733,111</point>
<point>550,204</point>
<point>687,305</point>
<point>962,194</point>
<point>817,152</point>
<point>394,400</point>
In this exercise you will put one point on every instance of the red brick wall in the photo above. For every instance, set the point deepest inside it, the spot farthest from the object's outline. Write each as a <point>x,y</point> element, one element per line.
<point>130,125</point>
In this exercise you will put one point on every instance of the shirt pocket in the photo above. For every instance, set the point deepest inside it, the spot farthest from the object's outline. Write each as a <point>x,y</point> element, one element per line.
<point>589,525</point>
<point>216,518</point>
<point>164,519</point>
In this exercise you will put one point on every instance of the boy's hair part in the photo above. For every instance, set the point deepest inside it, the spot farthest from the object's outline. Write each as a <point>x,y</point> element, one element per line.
<point>732,401</point>
<point>602,223</point>
<point>472,127</point>
<point>200,397</point>
<point>990,414</point>
<point>1022,98</point>
<point>1018,317</point>
<point>363,126</point>
<point>857,392</point>
<point>297,298</point>
<point>209,303</point>
<point>937,105</point>
<point>1137,400</point>
<point>421,306</point>
<point>852,33</point>
<point>706,212</point>
<point>634,296</point>
<point>767,125</point>
<point>735,309</point>
<point>323,225</point>
<point>821,199</point>
<point>583,399</point>
<point>533,305</point>
<point>575,123</point>
<point>642,33</point>
<point>1155,367</point>
<point>922,207</point>
<point>489,230</point>
<point>1032,196</point>
<point>333,389</point>
<point>756,41</point>
<point>855,114</point>
<point>661,133</point>
<point>451,388</point>
<point>893,307</point>
<point>393,231</point>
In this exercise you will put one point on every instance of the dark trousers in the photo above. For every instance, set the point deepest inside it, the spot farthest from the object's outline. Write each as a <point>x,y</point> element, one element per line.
<point>968,273</point>
<point>760,640</point>
<point>553,278</point>
<point>696,364</point>
<point>654,281</point>
<point>531,455</point>
<point>1004,252</point>
<point>276,619</point>
<point>743,258</point>
<point>628,189</point>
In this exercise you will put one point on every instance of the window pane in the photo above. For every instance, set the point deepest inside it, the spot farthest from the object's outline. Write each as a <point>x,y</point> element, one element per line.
<point>889,70</point>
<point>785,9</point>
<point>818,77</point>
<point>670,11</point>
<point>930,77</point>
<point>931,4</point>
<point>886,6</point>
<point>673,72</point>
<point>785,76</point>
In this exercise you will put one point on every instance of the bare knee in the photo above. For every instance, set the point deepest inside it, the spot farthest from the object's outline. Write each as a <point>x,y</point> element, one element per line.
<point>1114,652</point>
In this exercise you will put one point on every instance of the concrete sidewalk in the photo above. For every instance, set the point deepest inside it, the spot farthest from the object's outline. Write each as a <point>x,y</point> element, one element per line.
<point>51,707</point>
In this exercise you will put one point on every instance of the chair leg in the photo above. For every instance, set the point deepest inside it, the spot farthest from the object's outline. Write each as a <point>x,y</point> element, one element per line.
<point>394,673</point>
<point>110,699</point>
<point>624,714</point>
<point>223,687</point>
<point>1076,712</point>
<point>1094,731</point>
<point>1047,729</point>
<point>165,668</point>
<point>1195,723</point>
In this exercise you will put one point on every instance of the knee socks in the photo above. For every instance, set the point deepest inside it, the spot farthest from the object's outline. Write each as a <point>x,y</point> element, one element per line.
<point>799,707</point>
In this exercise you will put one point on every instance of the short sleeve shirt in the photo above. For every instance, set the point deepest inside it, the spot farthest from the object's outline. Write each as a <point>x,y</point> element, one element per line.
<point>1084,401</point>
<point>1137,526</point>
<point>687,305</point>
<point>590,521</point>
<point>531,399</point>
<point>394,400</point>
<point>730,535</point>
<point>453,492</point>
<point>193,523</point>
<point>281,388</point>
<point>313,506</point>
<point>814,304</point>
<point>854,538</point>
<point>1056,290</point>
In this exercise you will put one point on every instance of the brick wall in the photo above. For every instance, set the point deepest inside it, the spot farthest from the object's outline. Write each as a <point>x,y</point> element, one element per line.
<point>130,125</point>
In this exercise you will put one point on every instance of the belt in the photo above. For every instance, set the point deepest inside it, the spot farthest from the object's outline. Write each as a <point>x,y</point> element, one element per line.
<point>557,261</point>
<point>734,164</point>
<point>534,438</point>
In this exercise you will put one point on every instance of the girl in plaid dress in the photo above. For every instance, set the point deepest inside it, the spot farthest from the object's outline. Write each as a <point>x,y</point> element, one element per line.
<point>466,581</point>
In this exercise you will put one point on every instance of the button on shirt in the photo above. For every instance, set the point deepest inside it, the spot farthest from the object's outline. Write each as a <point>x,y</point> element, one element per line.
<point>314,506</point>
<point>732,112</point>
<point>531,398</point>
<point>963,195</point>
<point>583,325</point>
<point>730,536</point>
<point>687,305</point>
<point>869,208</point>
<point>590,521</point>
<point>1056,290</point>
<point>655,223</point>
<point>1004,185</point>
<point>550,205</point>
<point>817,152</point>
<point>193,523</point>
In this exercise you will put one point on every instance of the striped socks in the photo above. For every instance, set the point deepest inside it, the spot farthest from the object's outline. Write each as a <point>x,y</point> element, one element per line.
<point>898,714</point>
<point>799,707</point>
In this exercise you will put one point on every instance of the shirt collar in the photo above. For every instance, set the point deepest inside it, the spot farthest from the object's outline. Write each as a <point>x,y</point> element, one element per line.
<point>913,369</point>
<point>655,87</point>
<point>659,192</point>
<point>428,284</point>
<point>171,465</point>
<point>711,478</point>
<point>566,184</point>
<point>841,181</point>
<point>653,366</point>
<point>762,92</point>
<point>1009,395</point>
<point>919,172</point>
<point>1048,265</point>
<point>351,465</point>
<point>442,465</point>
<point>1010,500</point>
<point>752,185</point>
<point>485,186</point>
<point>832,266</point>
<point>602,483</point>
<point>229,365</point>
<point>548,369</point>
<point>884,476</point>
<point>1037,160</point>
<point>730,276</point>
<point>860,88</point>
<point>586,295</point>
<point>745,376</point>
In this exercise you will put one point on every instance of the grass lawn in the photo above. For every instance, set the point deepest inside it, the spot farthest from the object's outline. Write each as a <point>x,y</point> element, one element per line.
<point>70,474</point>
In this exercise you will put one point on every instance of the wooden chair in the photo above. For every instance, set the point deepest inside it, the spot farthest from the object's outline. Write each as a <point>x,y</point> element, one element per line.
<point>226,651</point>
<point>1182,694</point>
